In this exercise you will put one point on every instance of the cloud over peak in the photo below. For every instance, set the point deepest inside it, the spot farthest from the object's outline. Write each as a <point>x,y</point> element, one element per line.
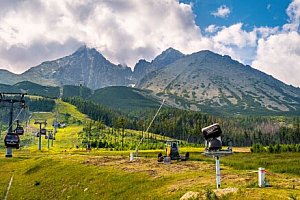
<point>125,31</point>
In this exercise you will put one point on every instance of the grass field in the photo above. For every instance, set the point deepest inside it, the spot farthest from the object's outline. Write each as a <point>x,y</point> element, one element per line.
<point>66,172</point>
<point>76,174</point>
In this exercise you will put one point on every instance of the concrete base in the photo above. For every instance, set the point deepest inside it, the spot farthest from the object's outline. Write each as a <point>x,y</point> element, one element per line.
<point>8,153</point>
<point>167,160</point>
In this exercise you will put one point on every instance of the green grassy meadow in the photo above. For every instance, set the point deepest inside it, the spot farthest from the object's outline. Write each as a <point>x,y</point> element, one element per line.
<point>66,172</point>
<point>110,175</point>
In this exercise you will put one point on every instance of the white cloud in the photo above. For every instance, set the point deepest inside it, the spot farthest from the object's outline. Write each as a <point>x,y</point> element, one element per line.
<point>264,32</point>
<point>123,31</point>
<point>223,11</point>
<point>235,35</point>
<point>279,55</point>
<point>212,28</point>
<point>278,52</point>
<point>293,11</point>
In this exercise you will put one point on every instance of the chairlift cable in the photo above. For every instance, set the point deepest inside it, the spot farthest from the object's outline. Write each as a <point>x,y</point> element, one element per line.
<point>15,119</point>
<point>137,148</point>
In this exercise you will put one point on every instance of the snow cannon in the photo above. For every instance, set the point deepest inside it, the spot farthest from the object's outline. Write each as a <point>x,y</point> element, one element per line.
<point>212,135</point>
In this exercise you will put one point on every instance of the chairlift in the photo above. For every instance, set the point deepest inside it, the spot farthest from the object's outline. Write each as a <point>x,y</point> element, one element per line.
<point>37,134</point>
<point>19,130</point>
<point>43,131</point>
<point>12,141</point>
<point>46,137</point>
<point>50,137</point>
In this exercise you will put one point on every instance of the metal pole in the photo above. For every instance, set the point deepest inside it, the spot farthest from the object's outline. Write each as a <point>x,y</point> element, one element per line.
<point>10,128</point>
<point>261,177</point>
<point>48,141</point>
<point>8,152</point>
<point>12,101</point>
<point>1,118</point>
<point>40,138</point>
<point>56,122</point>
<point>1,126</point>
<point>218,173</point>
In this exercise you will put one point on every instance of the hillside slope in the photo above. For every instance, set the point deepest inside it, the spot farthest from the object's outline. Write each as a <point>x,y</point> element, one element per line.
<point>31,89</point>
<point>36,89</point>
<point>217,84</point>
<point>9,78</point>
<point>125,99</point>
<point>77,91</point>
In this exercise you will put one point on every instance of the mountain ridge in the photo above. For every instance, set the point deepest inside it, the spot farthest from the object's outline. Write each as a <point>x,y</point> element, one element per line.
<point>144,67</point>
<point>84,65</point>
<point>203,80</point>
<point>206,78</point>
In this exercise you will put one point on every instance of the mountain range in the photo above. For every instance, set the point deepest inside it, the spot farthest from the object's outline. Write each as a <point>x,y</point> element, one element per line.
<point>202,81</point>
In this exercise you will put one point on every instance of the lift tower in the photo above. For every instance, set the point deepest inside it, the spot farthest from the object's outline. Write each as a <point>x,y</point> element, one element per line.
<point>42,131</point>
<point>12,138</point>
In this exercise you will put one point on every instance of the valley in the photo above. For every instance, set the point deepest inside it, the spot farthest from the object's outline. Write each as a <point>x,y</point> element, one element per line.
<point>67,170</point>
<point>101,122</point>
<point>153,99</point>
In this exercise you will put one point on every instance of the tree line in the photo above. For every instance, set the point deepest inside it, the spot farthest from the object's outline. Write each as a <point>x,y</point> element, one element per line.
<point>186,125</point>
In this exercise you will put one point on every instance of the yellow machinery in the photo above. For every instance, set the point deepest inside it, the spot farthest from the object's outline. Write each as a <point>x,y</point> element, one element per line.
<point>172,152</point>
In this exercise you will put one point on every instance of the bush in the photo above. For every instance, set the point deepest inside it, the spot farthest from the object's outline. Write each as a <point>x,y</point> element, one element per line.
<point>258,148</point>
<point>277,148</point>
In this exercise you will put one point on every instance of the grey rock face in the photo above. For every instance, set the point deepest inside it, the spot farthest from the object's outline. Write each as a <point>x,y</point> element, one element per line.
<point>206,81</point>
<point>86,66</point>
<point>144,67</point>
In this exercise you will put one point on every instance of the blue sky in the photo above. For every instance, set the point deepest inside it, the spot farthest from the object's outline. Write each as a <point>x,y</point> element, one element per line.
<point>262,33</point>
<point>252,13</point>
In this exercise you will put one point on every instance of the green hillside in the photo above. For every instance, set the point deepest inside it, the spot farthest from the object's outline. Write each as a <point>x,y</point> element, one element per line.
<point>36,89</point>
<point>124,99</point>
<point>8,88</point>
<point>76,91</point>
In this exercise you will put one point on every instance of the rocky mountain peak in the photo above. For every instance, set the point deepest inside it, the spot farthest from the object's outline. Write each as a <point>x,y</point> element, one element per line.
<point>85,51</point>
<point>143,67</point>
<point>85,64</point>
<point>168,56</point>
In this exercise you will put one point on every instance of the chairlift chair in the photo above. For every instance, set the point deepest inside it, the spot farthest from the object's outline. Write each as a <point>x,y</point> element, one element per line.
<point>12,141</point>
<point>43,131</point>
<point>19,130</point>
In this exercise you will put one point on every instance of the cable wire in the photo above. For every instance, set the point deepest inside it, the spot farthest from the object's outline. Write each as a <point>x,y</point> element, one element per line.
<point>137,148</point>
<point>14,120</point>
